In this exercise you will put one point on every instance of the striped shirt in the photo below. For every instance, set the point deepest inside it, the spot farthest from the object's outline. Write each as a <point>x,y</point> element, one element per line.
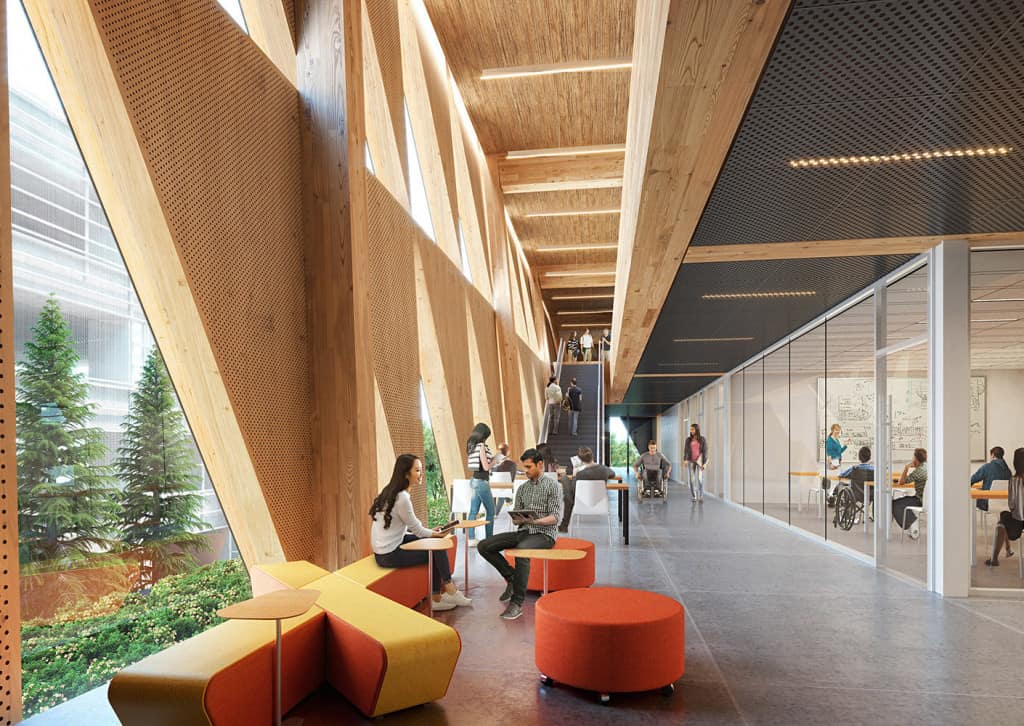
<point>473,462</point>
<point>543,496</point>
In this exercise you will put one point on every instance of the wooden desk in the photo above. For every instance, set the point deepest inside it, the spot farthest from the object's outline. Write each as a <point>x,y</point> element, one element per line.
<point>623,497</point>
<point>273,606</point>
<point>547,556</point>
<point>466,525</point>
<point>430,545</point>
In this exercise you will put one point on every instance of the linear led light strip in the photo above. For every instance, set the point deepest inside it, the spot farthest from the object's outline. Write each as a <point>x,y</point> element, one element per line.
<point>549,69</point>
<point>583,297</point>
<point>758,295</point>
<point>566,151</point>
<point>578,274</point>
<point>906,156</point>
<point>590,324</point>
<point>997,320</point>
<point>576,248</point>
<point>583,312</point>
<point>573,213</point>
<point>710,340</point>
<point>999,299</point>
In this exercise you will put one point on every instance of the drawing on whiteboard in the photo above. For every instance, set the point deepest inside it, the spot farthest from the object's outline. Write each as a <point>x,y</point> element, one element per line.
<point>851,404</point>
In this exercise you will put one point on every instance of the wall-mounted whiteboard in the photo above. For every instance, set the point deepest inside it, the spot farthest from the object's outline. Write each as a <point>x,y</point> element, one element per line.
<point>851,404</point>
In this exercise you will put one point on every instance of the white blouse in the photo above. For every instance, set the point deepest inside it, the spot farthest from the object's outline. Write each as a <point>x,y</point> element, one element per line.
<point>387,539</point>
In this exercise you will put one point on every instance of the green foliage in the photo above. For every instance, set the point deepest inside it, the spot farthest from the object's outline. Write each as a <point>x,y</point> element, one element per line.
<point>437,497</point>
<point>160,520</point>
<point>66,499</point>
<point>619,451</point>
<point>66,659</point>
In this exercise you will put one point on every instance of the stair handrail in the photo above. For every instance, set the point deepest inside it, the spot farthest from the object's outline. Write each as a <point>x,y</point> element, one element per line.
<point>600,403</point>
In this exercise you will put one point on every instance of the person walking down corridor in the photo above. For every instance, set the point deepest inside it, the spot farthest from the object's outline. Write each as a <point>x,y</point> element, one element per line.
<point>575,395</point>
<point>587,344</point>
<point>696,453</point>
<point>478,460</point>
<point>553,398</point>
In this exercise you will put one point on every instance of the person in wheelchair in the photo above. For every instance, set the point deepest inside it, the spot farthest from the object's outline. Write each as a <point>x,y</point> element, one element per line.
<point>850,491</point>
<point>652,471</point>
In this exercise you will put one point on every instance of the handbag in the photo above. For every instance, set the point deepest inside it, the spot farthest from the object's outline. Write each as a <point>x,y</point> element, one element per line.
<point>565,404</point>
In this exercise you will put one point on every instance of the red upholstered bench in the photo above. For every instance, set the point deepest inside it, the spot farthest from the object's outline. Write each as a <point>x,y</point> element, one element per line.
<point>610,640</point>
<point>567,574</point>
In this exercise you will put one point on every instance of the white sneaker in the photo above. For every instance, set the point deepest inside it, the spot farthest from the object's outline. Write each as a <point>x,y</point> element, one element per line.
<point>700,498</point>
<point>472,543</point>
<point>442,604</point>
<point>915,531</point>
<point>456,597</point>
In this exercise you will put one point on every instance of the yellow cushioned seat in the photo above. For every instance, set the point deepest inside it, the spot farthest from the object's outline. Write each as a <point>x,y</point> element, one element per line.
<point>283,576</point>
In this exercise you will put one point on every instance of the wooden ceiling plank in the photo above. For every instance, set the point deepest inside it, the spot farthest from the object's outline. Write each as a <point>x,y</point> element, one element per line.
<point>841,247</point>
<point>562,283</point>
<point>696,64</point>
<point>557,173</point>
<point>567,151</point>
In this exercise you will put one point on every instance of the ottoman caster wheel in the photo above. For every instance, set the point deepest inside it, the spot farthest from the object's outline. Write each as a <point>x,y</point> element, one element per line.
<point>605,699</point>
<point>546,680</point>
<point>668,690</point>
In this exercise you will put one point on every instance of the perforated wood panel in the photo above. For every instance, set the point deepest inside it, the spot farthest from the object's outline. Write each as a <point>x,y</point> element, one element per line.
<point>10,610</point>
<point>218,125</point>
<point>393,329</point>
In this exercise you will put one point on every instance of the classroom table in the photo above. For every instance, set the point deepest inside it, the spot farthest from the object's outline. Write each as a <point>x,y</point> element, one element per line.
<point>430,545</point>
<point>623,495</point>
<point>466,525</point>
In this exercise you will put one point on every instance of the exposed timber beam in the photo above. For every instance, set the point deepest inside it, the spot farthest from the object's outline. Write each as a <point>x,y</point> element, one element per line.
<point>569,283</point>
<point>547,174</point>
<point>841,247</point>
<point>268,27</point>
<point>548,69</point>
<point>567,151</point>
<point>696,64</point>
<point>590,268</point>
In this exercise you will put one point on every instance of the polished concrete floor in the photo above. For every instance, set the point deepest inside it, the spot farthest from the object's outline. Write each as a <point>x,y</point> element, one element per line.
<point>780,630</point>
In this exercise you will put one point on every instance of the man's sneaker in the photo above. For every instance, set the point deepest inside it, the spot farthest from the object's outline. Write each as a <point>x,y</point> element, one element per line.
<point>507,595</point>
<point>512,612</point>
<point>915,531</point>
<point>442,604</point>
<point>700,498</point>
<point>457,597</point>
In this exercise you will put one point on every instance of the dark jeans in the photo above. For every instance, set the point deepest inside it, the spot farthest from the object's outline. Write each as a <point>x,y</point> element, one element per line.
<point>410,558</point>
<point>490,549</point>
<point>899,505</point>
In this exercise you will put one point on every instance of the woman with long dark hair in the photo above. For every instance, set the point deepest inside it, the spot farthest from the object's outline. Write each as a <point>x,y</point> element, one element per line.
<point>695,451</point>
<point>478,459</point>
<point>395,523</point>
<point>1011,521</point>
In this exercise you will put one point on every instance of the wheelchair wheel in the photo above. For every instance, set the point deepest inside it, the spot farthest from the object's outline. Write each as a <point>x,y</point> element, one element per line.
<point>846,509</point>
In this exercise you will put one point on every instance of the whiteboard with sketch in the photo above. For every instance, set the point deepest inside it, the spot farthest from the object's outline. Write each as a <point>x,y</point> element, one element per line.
<point>851,404</point>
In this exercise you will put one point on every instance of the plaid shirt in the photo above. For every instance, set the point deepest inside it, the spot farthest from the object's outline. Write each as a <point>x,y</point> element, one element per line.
<point>543,496</point>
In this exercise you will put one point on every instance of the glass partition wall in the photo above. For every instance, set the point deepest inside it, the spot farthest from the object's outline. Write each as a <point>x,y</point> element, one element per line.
<point>997,383</point>
<point>804,431</point>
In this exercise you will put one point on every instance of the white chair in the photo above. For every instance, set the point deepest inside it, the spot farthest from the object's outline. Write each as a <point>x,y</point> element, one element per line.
<point>818,494</point>
<point>462,496</point>
<point>919,511</point>
<point>592,500</point>
<point>998,485</point>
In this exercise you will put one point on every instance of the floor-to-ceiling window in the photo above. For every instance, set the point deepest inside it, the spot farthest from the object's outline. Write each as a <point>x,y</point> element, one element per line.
<point>123,546</point>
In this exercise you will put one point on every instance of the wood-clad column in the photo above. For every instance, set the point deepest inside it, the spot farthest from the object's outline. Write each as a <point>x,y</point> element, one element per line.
<point>10,610</point>
<point>343,414</point>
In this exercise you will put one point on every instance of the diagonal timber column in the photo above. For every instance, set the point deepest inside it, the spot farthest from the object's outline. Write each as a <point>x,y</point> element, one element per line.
<point>137,203</point>
<point>344,407</point>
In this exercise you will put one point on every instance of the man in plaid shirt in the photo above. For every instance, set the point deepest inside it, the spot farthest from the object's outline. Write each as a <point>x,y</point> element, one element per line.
<point>542,494</point>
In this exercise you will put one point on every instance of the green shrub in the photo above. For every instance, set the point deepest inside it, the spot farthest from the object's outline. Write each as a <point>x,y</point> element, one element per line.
<point>68,658</point>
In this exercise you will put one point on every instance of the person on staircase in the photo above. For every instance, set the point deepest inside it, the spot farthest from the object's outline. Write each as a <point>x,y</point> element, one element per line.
<point>575,395</point>
<point>587,344</point>
<point>572,348</point>
<point>553,398</point>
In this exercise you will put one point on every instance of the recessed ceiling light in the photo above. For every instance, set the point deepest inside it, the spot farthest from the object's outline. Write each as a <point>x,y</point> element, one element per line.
<point>609,64</point>
<point>583,297</point>
<point>758,295</point>
<point>573,213</point>
<point>576,248</point>
<point>833,161</point>
<point>997,320</point>
<point>709,340</point>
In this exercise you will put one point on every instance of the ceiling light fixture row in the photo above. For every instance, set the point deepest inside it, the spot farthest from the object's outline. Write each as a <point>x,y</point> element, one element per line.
<point>907,156</point>
<point>711,340</point>
<point>576,248</point>
<point>758,295</point>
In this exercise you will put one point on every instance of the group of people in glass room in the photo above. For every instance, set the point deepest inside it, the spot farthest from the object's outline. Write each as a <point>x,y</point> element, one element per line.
<point>1011,520</point>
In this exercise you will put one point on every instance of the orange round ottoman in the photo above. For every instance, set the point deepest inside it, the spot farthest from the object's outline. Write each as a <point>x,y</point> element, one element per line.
<point>565,574</point>
<point>610,640</point>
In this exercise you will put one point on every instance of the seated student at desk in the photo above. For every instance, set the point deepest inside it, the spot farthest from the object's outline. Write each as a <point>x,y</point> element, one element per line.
<point>1011,521</point>
<point>916,473</point>
<point>588,470</point>
<point>991,470</point>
